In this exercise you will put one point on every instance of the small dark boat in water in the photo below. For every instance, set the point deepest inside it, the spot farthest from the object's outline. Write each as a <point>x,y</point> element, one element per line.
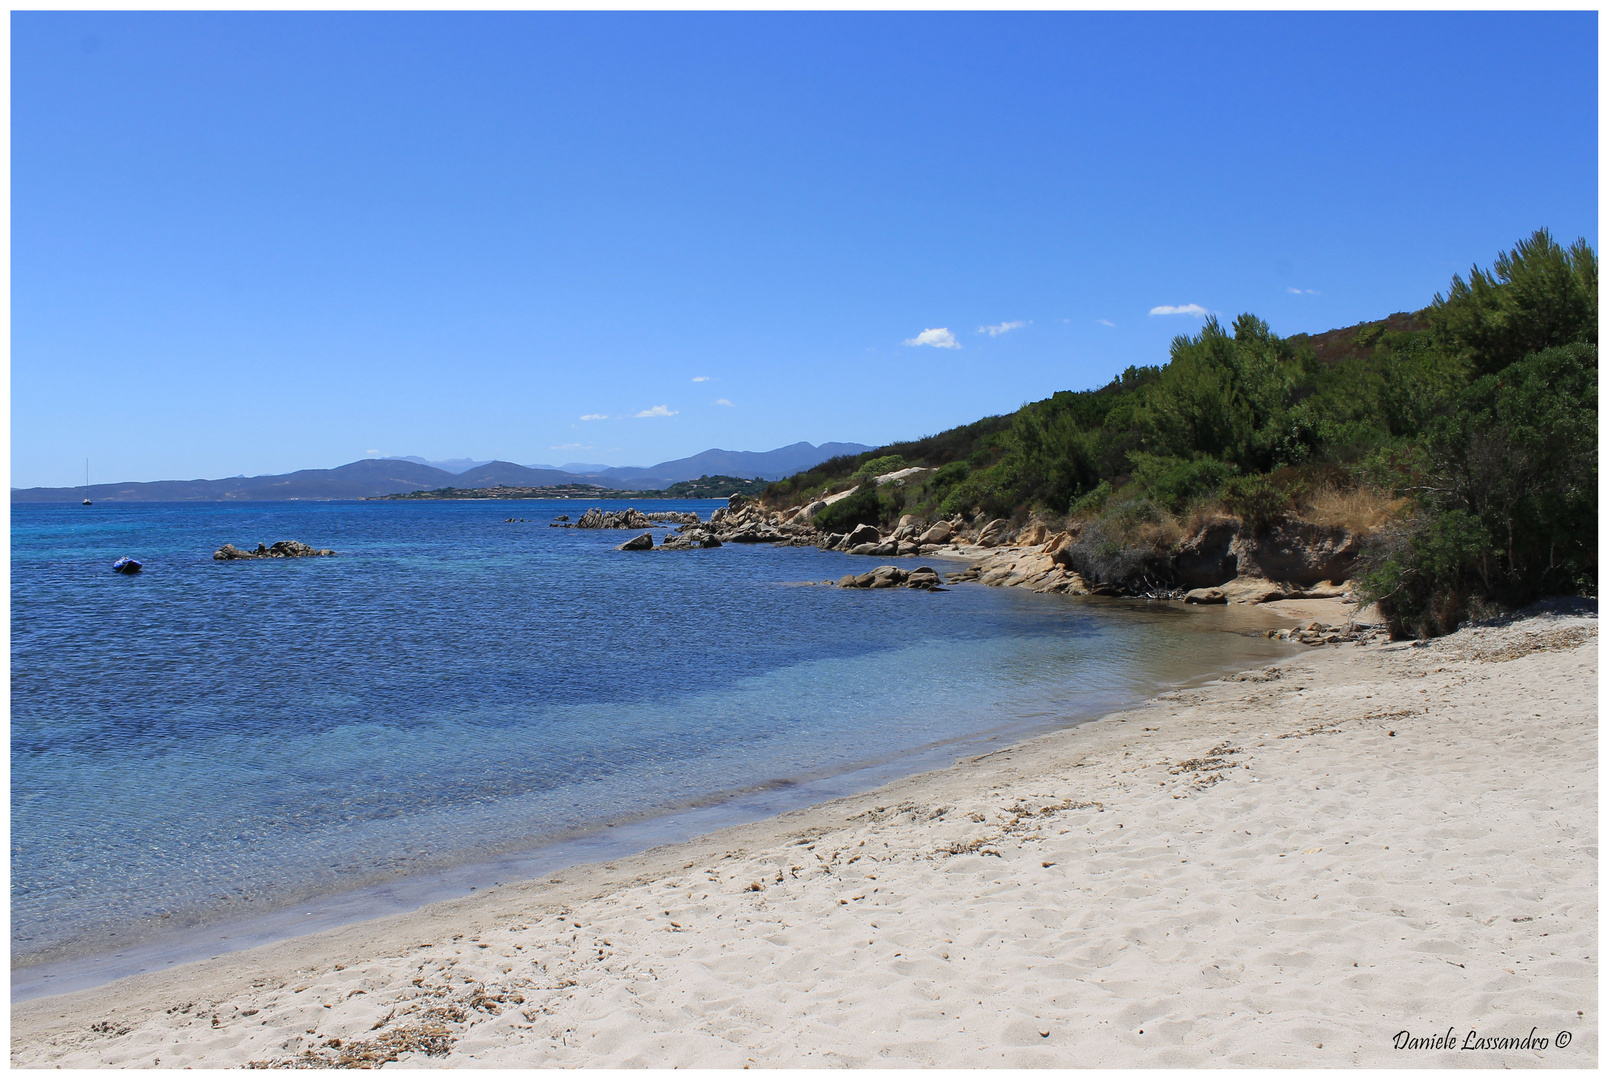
<point>126,565</point>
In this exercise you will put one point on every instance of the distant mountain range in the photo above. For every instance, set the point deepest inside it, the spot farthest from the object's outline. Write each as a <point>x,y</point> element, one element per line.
<point>373,477</point>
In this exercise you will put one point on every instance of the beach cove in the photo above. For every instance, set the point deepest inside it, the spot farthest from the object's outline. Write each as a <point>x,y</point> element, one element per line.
<point>1307,864</point>
<point>216,753</point>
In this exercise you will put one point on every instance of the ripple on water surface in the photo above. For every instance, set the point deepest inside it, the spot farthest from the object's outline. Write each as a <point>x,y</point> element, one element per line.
<point>208,740</point>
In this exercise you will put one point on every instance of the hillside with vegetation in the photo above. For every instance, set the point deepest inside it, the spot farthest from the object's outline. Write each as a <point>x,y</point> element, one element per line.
<point>1460,440</point>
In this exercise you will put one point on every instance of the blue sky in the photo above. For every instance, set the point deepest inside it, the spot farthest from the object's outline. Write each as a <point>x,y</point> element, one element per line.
<point>251,243</point>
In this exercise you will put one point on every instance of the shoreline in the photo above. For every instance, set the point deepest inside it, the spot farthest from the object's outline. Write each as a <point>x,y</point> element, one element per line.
<point>151,949</point>
<point>1207,867</point>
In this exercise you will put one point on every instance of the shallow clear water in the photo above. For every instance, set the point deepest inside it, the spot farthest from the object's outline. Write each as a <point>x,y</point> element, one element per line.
<point>207,741</point>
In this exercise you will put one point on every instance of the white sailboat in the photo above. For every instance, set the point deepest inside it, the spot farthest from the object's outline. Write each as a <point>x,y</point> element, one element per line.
<point>86,483</point>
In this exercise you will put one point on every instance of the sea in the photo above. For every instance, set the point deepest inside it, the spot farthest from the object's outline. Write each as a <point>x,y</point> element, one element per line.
<point>211,754</point>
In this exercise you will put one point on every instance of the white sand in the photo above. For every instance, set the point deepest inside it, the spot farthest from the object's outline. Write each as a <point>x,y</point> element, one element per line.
<point>1253,873</point>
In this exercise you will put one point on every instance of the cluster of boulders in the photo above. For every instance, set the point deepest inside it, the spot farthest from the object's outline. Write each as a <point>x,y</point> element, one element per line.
<point>281,549</point>
<point>674,542</point>
<point>1318,633</point>
<point>1222,562</point>
<point>741,521</point>
<point>629,518</point>
<point>910,537</point>
<point>889,577</point>
<point>1036,560</point>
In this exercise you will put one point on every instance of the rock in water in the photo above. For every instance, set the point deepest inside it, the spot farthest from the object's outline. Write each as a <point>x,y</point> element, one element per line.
<point>282,549</point>
<point>1206,596</point>
<point>645,542</point>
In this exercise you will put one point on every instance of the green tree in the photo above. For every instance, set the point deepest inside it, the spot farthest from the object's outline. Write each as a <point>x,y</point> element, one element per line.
<point>1508,487</point>
<point>1222,395</point>
<point>1535,297</point>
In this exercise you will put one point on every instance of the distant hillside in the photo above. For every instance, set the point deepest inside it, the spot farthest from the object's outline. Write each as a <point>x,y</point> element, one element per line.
<point>508,474</point>
<point>358,480</point>
<point>452,465</point>
<point>374,477</point>
<point>769,465</point>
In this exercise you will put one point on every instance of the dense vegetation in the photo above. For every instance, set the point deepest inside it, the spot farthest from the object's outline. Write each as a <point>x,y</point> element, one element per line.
<point>1463,437</point>
<point>713,487</point>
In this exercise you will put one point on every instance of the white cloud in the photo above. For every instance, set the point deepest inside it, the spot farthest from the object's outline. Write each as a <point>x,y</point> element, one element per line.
<point>723,401</point>
<point>701,378</point>
<point>1179,309</point>
<point>1302,292</point>
<point>372,453</point>
<point>939,338</point>
<point>570,446</point>
<point>590,416</point>
<point>1001,328</point>
<point>657,410</point>
<point>1106,322</point>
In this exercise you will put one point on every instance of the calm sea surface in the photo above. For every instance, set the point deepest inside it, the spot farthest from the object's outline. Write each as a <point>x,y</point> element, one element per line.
<point>211,741</point>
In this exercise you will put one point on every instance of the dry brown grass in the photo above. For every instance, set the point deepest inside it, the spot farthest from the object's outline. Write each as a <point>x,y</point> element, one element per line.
<point>1358,510</point>
<point>1163,534</point>
<point>1203,514</point>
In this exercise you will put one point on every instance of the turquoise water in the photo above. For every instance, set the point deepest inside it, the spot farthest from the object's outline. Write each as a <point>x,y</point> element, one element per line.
<point>208,742</point>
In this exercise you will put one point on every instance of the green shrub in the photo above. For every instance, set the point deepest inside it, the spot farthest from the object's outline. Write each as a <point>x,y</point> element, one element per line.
<point>1420,573</point>
<point>950,475</point>
<point>1091,502</point>
<point>1175,482</point>
<point>878,466</point>
<point>861,508</point>
<point>1508,483</point>
<point>1258,500</point>
<point>878,506</point>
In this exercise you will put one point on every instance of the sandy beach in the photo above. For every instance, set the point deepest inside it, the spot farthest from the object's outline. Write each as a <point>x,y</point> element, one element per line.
<point>1290,867</point>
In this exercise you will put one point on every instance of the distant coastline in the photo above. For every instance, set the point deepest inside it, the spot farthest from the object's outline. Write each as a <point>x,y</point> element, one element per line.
<point>705,487</point>
<point>377,477</point>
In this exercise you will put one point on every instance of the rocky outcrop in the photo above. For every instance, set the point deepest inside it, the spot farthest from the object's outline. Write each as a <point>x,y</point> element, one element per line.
<point>994,533</point>
<point>1206,596</point>
<point>807,514</point>
<point>1321,633</point>
<point>645,542</point>
<point>629,518</point>
<point>1299,553</point>
<point>281,549</point>
<point>1210,557</point>
<point>862,534</point>
<point>695,538</point>
<point>1223,562</point>
<point>901,476</point>
<point>1296,554</point>
<point>891,577</point>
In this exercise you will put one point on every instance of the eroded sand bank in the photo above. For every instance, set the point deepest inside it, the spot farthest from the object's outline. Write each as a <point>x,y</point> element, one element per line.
<point>1286,868</point>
